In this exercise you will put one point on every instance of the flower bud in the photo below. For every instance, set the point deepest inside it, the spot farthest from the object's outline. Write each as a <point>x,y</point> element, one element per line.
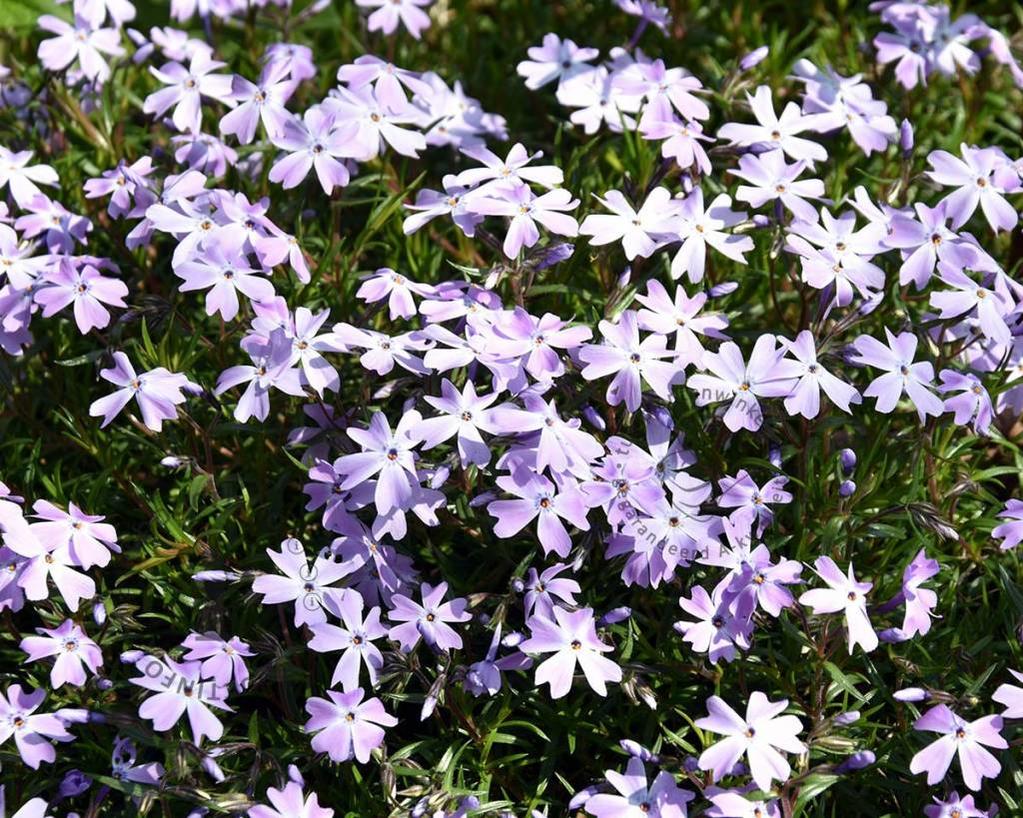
<point>847,489</point>
<point>842,719</point>
<point>857,761</point>
<point>848,458</point>
<point>614,616</point>
<point>754,58</point>
<point>911,694</point>
<point>722,289</point>
<point>593,418</point>
<point>906,138</point>
<point>99,613</point>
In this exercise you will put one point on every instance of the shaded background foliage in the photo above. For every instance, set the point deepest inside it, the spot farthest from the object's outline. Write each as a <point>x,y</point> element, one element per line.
<point>244,492</point>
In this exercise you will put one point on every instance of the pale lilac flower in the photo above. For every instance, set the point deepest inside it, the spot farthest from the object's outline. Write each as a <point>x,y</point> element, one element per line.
<point>204,153</point>
<point>542,589</point>
<point>388,455</point>
<point>971,404</point>
<point>452,202</point>
<point>515,167</point>
<point>389,13</point>
<point>956,807</point>
<point>924,241</point>
<point>752,503</point>
<point>388,81</point>
<point>185,89</point>
<point>315,143</point>
<point>1011,696</point>
<point>518,203</point>
<point>484,676</point>
<point>681,139</point>
<point>734,804</point>
<point>599,101</point>
<point>32,731</point>
<point>346,726</point>
<point>698,227</point>
<point>17,261</point>
<point>537,500</point>
<point>73,649</point>
<point>259,103</point>
<point>572,637</point>
<point>429,620</point>
<point>991,305</point>
<point>180,689</point>
<point>760,735</point>
<point>778,132</point>
<point>1011,531</point>
<point>355,639</point>
<point>962,738</point>
<point>805,398</point>
<point>682,317</point>
<point>555,59</point>
<point>463,413</point>
<point>768,374</point>
<point>384,351</point>
<point>223,269</point>
<point>60,228</point>
<point>21,178</point>
<point>974,176</point>
<point>85,289</point>
<point>648,11</point>
<point>640,232</point>
<point>310,586</point>
<point>271,367</point>
<point>158,392</point>
<point>222,659</point>
<point>44,563</point>
<point>903,376</point>
<point>396,288</point>
<point>772,179</point>
<point>718,626</point>
<point>84,40</point>
<point>631,361</point>
<point>919,601</point>
<point>89,540</point>
<point>663,88</point>
<point>290,802</point>
<point>845,594</point>
<point>637,798</point>
<point>369,124</point>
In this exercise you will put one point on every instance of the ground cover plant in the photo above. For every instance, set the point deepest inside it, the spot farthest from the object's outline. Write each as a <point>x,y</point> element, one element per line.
<point>456,407</point>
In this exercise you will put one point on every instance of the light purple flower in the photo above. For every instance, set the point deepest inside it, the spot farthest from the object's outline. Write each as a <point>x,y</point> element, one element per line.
<point>760,735</point>
<point>555,59</point>
<point>541,590</point>
<point>844,594</point>
<point>1011,696</point>
<point>158,392</point>
<point>771,178</point>
<point>464,414</point>
<point>805,397</point>
<point>389,13</point>
<point>346,726</point>
<point>1011,531</point>
<point>514,168</point>
<point>23,179</point>
<point>698,226</point>
<point>537,500</point>
<point>185,89</point>
<point>32,731</point>
<point>259,103</point>
<point>315,143</point>
<point>903,376</point>
<point>971,404</point>
<point>637,798</point>
<point>396,288</point>
<point>778,132</point>
<point>719,626</point>
<point>290,802</point>
<point>355,639</point>
<point>962,738</point>
<point>73,649</point>
<point>223,269</point>
<point>977,184</point>
<point>572,637</point>
<point>222,660</point>
<point>518,203</point>
<point>640,232</point>
<point>429,620</point>
<point>84,40</point>
<point>956,807</point>
<point>80,285</point>
<point>180,689</point>
<point>88,539</point>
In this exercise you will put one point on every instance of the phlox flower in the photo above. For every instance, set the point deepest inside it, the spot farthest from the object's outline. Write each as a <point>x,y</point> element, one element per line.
<point>640,232</point>
<point>158,393</point>
<point>89,540</point>
<point>971,404</point>
<point>271,367</point>
<point>992,306</point>
<point>84,40</point>
<point>555,59</point>
<point>73,649</point>
<point>23,179</point>
<point>698,226</point>
<point>977,184</point>
<point>452,202</point>
<point>464,414</point>
<point>44,563</point>
<point>222,659</point>
<point>735,804</point>
<point>1011,531</point>
<point>902,375</point>
<point>346,726</point>
<point>536,500</point>
<point>961,738</point>
<point>398,289</point>
<point>543,590</point>
<point>955,807</point>
<point>572,637</point>
<point>778,132</point>
<point>638,798</point>
<point>1011,696</point>
<point>368,124</point>
<point>760,736</point>
<point>599,102</point>
<point>484,676</point>
<point>355,638</point>
<point>514,168</point>
<point>84,288</point>
<point>805,397</point>
<point>720,626</point>
<point>681,139</point>
<point>223,268</point>
<point>32,732</point>
<point>259,103</point>
<point>388,81</point>
<point>631,361</point>
<point>771,178</point>
<point>681,317</point>
<point>768,374</point>
<point>389,13</point>
<point>429,620</point>
<point>310,586</point>
<point>185,89</point>
<point>315,143</point>
<point>60,228</point>
<point>845,594</point>
<point>290,802</point>
<point>180,688</point>
<point>752,503</point>
<point>518,203</point>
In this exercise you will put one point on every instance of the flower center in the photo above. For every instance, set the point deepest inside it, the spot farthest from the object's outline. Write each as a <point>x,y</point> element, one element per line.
<point>577,645</point>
